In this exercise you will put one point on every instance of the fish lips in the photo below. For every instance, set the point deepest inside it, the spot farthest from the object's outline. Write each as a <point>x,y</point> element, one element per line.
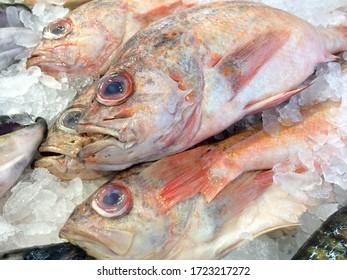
<point>50,63</point>
<point>64,166</point>
<point>101,243</point>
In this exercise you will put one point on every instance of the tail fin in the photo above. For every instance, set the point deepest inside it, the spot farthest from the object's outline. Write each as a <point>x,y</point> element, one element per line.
<point>335,38</point>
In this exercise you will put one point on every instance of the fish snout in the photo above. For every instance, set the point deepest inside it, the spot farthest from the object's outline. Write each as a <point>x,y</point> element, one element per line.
<point>100,241</point>
<point>53,60</point>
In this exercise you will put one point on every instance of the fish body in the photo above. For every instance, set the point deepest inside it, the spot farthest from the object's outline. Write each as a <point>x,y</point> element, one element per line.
<point>18,144</point>
<point>191,75</point>
<point>66,45</point>
<point>209,169</point>
<point>329,242</point>
<point>122,219</point>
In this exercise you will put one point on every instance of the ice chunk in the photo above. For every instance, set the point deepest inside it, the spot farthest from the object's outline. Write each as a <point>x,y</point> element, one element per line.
<point>310,223</point>
<point>301,237</point>
<point>13,17</point>
<point>270,121</point>
<point>316,12</point>
<point>290,113</point>
<point>17,207</point>
<point>323,211</point>
<point>261,248</point>
<point>41,16</point>
<point>38,207</point>
<point>340,194</point>
<point>306,157</point>
<point>6,230</point>
<point>298,185</point>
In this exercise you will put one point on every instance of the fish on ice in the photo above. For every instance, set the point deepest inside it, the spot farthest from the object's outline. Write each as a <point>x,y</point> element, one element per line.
<point>123,219</point>
<point>189,76</point>
<point>87,40</point>
<point>208,169</point>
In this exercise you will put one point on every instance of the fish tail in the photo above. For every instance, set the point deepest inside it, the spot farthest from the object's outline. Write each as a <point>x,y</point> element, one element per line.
<point>205,169</point>
<point>335,39</point>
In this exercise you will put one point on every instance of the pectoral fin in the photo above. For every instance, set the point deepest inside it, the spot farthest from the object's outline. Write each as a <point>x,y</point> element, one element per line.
<point>242,64</point>
<point>206,169</point>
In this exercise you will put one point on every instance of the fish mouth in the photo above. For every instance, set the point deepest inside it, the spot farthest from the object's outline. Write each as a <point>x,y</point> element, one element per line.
<point>48,62</point>
<point>100,243</point>
<point>52,151</point>
<point>64,165</point>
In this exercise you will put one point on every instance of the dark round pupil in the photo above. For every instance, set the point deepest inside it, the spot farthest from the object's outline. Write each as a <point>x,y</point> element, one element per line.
<point>71,119</point>
<point>112,199</point>
<point>58,30</point>
<point>114,88</point>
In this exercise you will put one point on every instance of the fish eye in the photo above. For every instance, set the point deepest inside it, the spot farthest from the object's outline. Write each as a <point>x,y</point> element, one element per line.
<point>68,120</point>
<point>112,200</point>
<point>114,89</point>
<point>58,29</point>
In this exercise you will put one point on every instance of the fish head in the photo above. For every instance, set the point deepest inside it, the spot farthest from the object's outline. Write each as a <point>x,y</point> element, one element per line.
<point>83,41</point>
<point>60,148</point>
<point>59,154</point>
<point>120,220</point>
<point>142,113</point>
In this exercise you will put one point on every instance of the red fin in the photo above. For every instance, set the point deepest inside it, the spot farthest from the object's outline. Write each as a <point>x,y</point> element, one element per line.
<point>264,104</point>
<point>239,193</point>
<point>185,174</point>
<point>205,168</point>
<point>243,64</point>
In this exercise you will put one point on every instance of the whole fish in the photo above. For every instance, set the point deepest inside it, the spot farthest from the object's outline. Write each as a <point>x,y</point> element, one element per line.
<point>123,219</point>
<point>60,251</point>
<point>191,75</point>
<point>66,45</point>
<point>18,144</point>
<point>329,242</point>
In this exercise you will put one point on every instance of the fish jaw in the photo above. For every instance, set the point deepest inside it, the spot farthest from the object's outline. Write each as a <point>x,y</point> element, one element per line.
<point>59,153</point>
<point>140,130</point>
<point>139,234</point>
<point>102,243</point>
<point>17,149</point>
<point>67,168</point>
<point>73,53</point>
